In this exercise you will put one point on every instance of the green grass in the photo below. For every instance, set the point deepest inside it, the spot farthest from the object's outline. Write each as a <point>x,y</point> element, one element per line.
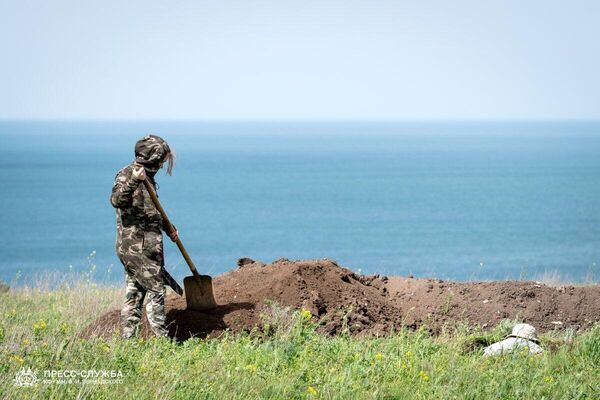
<point>285,360</point>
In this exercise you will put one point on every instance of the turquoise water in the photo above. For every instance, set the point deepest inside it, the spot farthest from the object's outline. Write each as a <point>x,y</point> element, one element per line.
<point>476,200</point>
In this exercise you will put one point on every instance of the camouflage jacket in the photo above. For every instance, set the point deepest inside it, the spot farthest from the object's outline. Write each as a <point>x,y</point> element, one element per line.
<point>136,214</point>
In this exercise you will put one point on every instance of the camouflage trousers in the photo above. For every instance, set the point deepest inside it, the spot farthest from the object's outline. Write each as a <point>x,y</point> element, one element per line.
<point>131,313</point>
<point>143,264</point>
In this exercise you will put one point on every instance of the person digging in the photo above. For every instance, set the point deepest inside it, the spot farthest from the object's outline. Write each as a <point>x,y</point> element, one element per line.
<point>139,243</point>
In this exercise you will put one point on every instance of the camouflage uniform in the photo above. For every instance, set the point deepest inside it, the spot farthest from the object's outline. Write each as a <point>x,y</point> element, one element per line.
<point>139,239</point>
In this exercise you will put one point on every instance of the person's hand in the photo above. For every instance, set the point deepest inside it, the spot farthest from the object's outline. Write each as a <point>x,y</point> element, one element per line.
<point>139,173</point>
<point>174,235</point>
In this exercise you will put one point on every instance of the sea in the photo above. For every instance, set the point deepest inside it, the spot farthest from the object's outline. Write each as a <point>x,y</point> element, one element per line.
<point>461,200</point>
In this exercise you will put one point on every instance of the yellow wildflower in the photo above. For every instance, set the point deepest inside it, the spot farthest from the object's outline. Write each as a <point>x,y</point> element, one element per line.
<point>17,359</point>
<point>408,354</point>
<point>423,375</point>
<point>40,326</point>
<point>26,342</point>
<point>311,390</point>
<point>64,328</point>
<point>378,356</point>
<point>251,367</point>
<point>305,314</point>
<point>548,379</point>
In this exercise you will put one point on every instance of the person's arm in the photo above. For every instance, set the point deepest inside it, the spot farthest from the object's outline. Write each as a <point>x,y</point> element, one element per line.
<point>125,184</point>
<point>174,234</point>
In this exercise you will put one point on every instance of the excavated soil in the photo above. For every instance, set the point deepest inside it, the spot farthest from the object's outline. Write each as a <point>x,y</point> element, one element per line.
<point>368,305</point>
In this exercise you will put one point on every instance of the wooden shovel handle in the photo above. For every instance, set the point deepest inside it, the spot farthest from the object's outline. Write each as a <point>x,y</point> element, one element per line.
<point>169,226</point>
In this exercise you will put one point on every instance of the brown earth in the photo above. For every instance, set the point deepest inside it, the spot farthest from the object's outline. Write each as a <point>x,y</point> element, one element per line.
<point>370,305</point>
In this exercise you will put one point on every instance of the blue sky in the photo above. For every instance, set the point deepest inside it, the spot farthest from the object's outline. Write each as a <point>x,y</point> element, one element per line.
<point>300,59</point>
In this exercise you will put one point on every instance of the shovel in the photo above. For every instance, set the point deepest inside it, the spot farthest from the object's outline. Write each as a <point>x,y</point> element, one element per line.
<point>198,288</point>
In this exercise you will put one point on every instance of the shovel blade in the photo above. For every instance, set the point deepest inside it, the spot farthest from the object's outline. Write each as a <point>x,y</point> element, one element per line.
<point>199,293</point>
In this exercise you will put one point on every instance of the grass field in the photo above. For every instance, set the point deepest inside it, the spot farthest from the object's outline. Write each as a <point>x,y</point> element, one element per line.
<point>286,359</point>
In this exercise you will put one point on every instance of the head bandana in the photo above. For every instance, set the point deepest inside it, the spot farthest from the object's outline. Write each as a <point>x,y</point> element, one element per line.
<point>151,151</point>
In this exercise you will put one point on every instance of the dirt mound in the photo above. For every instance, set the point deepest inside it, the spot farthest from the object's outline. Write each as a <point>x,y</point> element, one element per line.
<point>436,303</point>
<point>368,304</point>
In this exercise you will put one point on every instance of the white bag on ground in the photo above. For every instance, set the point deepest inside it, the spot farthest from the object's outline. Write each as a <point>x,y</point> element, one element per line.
<point>523,336</point>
